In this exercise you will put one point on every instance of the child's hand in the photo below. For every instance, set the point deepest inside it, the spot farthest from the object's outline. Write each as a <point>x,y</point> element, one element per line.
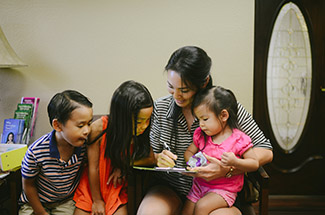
<point>228,159</point>
<point>98,208</point>
<point>116,177</point>
<point>166,159</point>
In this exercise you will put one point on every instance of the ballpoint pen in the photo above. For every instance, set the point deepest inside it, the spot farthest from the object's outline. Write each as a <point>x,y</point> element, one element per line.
<point>166,146</point>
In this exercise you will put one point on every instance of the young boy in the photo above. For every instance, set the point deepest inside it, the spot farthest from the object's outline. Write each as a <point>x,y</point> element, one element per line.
<point>52,165</point>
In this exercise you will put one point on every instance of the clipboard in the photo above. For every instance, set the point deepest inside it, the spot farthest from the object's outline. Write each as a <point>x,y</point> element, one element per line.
<point>164,169</point>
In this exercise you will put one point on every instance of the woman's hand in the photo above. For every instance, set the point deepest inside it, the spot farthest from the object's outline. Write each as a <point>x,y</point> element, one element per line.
<point>98,208</point>
<point>213,170</point>
<point>116,178</point>
<point>166,159</point>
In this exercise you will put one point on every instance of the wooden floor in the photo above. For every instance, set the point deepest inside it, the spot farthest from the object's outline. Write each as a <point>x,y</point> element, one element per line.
<point>299,205</point>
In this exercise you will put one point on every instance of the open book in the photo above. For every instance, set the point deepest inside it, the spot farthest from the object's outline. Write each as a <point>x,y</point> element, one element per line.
<point>164,169</point>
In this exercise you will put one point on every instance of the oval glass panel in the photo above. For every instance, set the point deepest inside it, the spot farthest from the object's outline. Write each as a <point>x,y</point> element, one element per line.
<point>289,76</point>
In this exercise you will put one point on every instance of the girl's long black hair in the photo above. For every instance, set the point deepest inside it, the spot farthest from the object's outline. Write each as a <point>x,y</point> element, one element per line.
<point>128,99</point>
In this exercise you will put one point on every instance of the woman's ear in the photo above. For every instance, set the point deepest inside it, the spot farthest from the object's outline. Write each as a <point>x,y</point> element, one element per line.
<point>224,115</point>
<point>56,125</point>
<point>206,82</point>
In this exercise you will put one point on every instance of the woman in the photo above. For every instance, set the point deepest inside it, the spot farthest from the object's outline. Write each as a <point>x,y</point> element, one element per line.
<point>188,71</point>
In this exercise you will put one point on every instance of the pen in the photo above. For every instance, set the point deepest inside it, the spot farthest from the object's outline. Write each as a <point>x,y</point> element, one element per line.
<point>166,146</point>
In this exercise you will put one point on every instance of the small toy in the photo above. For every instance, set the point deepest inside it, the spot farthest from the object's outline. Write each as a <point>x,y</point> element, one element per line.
<point>197,160</point>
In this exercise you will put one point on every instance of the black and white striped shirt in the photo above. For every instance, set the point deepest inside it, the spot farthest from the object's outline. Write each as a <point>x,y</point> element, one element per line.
<point>162,131</point>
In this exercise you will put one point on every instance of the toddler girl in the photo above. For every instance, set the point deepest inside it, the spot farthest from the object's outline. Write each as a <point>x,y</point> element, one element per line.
<point>218,136</point>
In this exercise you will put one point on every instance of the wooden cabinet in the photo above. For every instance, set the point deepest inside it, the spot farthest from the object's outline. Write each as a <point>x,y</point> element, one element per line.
<point>10,189</point>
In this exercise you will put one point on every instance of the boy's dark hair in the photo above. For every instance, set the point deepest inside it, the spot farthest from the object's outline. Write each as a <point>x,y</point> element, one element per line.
<point>217,99</point>
<point>62,104</point>
<point>128,99</point>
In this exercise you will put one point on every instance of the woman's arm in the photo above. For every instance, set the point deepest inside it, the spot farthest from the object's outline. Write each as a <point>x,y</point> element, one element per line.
<point>93,168</point>
<point>261,145</point>
<point>32,196</point>
<point>215,170</point>
<point>263,155</point>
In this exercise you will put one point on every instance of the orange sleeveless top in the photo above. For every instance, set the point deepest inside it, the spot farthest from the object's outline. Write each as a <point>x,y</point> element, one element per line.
<point>113,197</point>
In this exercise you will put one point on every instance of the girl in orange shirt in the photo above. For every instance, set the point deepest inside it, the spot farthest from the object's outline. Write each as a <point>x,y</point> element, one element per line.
<point>115,143</point>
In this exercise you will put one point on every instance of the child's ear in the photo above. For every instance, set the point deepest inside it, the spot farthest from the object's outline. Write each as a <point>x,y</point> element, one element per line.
<point>56,125</point>
<point>224,115</point>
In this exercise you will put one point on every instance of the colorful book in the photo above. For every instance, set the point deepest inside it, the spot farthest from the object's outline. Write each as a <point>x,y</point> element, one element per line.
<point>13,131</point>
<point>27,116</point>
<point>35,102</point>
<point>25,107</point>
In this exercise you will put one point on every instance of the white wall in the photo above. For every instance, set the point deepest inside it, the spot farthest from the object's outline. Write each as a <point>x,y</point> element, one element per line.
<point>93,46</point>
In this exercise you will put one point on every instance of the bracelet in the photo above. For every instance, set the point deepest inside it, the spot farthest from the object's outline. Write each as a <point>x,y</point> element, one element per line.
<point>229,174</point>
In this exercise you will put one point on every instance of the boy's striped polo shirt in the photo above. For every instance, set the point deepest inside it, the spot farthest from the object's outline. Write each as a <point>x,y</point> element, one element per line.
<point>55,179</point>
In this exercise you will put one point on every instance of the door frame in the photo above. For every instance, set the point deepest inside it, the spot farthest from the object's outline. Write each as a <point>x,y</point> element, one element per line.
<point>266,12</point>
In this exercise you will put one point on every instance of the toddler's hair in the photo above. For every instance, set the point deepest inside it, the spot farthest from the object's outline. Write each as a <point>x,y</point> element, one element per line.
<point>62,104</point>
<point>217,99</point>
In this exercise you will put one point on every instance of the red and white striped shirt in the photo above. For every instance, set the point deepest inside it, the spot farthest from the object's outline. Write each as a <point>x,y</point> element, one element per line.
<point>56,179</point>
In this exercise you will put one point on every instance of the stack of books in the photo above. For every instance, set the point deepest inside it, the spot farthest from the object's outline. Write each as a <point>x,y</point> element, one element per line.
<point>19,129</point>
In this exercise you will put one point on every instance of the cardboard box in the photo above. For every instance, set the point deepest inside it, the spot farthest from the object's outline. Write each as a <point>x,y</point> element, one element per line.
<point>11,155</point>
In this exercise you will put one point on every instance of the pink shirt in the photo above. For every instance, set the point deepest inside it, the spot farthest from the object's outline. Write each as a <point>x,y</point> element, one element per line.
<point>238,143</point>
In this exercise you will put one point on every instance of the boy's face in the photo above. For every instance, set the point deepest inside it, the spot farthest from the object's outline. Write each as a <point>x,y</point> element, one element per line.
<point>75,131</point>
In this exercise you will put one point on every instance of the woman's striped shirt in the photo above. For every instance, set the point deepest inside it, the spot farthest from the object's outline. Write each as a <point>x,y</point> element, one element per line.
<point>162,132</point>
<point>55,179</point>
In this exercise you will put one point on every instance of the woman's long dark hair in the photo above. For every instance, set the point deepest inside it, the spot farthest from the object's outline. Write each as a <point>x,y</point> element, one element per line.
<point>193,66</point>
<point>128,99</point>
